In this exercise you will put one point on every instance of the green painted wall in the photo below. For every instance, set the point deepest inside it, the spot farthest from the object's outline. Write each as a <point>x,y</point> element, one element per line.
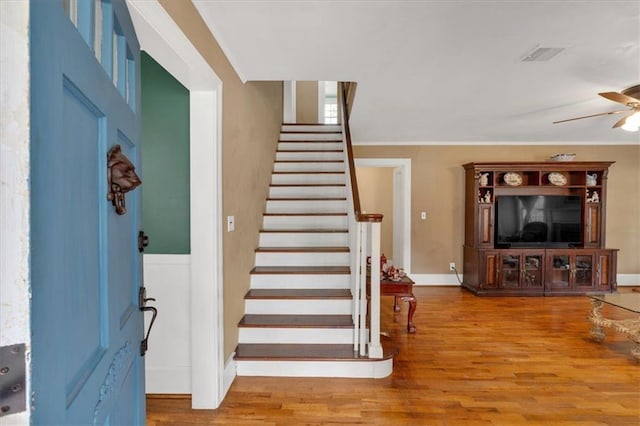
<point>165,166</point>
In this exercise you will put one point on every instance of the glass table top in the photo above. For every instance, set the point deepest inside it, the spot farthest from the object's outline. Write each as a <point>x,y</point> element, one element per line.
<point>629,301</point>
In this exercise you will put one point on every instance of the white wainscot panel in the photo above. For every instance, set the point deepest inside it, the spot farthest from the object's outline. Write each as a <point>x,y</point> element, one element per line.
<point>168,360</point>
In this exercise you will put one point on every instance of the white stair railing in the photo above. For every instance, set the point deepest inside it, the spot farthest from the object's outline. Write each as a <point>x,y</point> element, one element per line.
<point>364,231</point>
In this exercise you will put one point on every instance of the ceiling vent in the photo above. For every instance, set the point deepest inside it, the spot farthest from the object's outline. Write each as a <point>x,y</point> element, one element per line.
<point>542,53</point>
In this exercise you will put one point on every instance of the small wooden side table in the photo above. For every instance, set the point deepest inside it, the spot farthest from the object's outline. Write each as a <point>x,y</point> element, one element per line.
<point>401,289</point>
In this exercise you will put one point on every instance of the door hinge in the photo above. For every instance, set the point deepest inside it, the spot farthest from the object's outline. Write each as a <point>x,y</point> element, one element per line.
<point>13,397</point>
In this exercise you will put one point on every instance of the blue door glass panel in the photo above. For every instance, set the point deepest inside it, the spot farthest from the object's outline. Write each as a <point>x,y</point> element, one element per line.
<point>85,266</point>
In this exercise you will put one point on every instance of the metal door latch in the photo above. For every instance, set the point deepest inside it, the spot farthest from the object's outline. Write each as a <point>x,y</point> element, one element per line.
<point>143,241</point>
<point>12,379</point>
<point>142,305</point>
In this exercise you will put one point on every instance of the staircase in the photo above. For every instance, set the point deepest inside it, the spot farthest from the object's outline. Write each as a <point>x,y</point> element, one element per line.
<point>299,310</point>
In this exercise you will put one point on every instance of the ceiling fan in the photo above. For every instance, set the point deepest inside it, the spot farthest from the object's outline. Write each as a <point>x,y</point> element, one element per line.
<point>629,97</point>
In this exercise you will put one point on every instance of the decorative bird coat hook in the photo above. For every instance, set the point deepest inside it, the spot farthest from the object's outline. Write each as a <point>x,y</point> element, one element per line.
<point>121,178</point>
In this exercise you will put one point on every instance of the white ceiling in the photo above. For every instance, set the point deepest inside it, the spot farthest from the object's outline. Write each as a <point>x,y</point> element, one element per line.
<point>446,71</point>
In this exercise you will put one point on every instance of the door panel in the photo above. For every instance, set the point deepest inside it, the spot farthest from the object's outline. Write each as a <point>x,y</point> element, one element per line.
<point>85,266</point>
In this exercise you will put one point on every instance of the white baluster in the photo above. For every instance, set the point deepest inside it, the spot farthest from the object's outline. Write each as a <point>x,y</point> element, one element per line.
<point>357,286</point>
<point>363,288</point>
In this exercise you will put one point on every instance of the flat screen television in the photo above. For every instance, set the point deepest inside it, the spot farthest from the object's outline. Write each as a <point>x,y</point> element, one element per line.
<point>530,221</point>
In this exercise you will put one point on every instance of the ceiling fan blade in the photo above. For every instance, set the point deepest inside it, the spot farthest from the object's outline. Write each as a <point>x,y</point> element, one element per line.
<point>592,115</point>
<point>620,98</point>
<point>621,122</point>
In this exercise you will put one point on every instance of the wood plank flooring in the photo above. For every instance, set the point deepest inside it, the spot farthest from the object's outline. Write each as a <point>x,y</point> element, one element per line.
<point>473,361</point>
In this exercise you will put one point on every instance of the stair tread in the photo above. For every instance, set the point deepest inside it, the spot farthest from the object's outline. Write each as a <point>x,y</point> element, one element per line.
<point>309,161</point>
<point>307,230</point>
<point>298,123</point>
<point>306,172</point>
<point>323,249</point>
<point>307,199</point>
<point>299,293</point>
<point>311,185</point>
<point>301,270</point>
<point>309,141</point>
<point>296,321</point>
<point>309,151</point>
<point>324,132</point>
<point>305,214</point>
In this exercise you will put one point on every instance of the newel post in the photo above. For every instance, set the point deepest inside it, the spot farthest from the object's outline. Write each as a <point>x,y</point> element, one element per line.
<point>375,348</point>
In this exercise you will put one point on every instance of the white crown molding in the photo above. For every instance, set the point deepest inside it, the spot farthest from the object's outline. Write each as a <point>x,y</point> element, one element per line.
<point>489,143</point>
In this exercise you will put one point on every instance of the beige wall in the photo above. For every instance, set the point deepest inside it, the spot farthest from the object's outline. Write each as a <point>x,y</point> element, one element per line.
<point>437,184</point>
<point>375,186</point>
<point>307,101</point>
<point>252,114</point>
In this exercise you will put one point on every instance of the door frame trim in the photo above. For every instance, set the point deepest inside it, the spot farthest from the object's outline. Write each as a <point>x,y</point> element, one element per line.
<point>161,37</point>
<point>402,208</point>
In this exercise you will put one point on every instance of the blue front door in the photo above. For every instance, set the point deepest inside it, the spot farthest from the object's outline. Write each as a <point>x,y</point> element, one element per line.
<point>85,265</point>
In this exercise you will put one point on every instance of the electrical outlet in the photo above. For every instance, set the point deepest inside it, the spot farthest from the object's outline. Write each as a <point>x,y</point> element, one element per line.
<point>452,266</point>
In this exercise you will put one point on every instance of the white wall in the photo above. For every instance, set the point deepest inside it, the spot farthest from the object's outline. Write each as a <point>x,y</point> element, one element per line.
<point>14,182</point>
<point>168,360</point>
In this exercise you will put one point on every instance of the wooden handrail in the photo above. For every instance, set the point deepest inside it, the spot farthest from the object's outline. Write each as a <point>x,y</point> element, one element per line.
<point>347,91</point>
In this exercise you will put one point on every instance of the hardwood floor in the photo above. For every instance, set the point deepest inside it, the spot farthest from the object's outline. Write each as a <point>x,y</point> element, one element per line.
<point>473,361</point>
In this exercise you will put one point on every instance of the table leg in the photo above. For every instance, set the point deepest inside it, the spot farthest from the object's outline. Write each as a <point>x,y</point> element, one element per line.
<point>396,305</point>
<point>635,349</point>
<point>413,304</point>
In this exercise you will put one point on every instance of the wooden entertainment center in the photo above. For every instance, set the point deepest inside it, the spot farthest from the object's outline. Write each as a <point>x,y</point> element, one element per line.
<point>562,253</point>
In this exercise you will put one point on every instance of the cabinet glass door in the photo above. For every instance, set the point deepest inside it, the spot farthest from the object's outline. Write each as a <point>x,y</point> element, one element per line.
<point>532,271</point>
<point>561,270</point>
<point>510,271</point>
<point>584,271</point>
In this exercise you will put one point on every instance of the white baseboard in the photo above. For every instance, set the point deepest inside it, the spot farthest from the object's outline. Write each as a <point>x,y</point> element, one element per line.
<point>230,372</point>
<point>451,280</point>
<point>172,380</point>
<point>435,279</point>
<point>628,280</point>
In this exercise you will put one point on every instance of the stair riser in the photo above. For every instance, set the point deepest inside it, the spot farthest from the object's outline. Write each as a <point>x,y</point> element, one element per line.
<point>308,179</point>
<point>305,222</point>
<point>303,239</point>
<point>332,166</point>
<point>302,259</point>
<point>298,307</point>
<point>307,191</point>
<point>293,281</point>
<point>375,369</point>
<point>311,128</point>
<point>309,146</point>
<point>310,136</point>
<point>295,335</point>
<point>310,156</point>
<point>306,206</point>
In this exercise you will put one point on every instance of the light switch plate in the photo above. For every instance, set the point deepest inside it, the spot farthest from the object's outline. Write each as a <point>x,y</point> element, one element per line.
<point>231,223</point>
